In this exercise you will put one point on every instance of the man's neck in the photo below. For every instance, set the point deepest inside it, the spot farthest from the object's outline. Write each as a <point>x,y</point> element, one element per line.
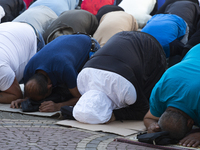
<point>180,111</point>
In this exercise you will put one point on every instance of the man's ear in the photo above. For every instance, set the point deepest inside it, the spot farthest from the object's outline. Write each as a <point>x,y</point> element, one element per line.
<point>190,122</point>
<point>49,86</point>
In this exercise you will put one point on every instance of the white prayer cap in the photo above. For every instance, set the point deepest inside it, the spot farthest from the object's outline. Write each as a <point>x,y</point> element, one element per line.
<point>94,107</point>
<point>2,12</point>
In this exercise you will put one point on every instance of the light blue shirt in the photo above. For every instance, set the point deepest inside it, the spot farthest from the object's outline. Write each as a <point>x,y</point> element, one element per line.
<point>58,6</point>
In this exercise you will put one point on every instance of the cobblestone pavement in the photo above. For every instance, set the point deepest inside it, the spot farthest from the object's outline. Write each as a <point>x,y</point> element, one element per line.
<point>25,132</point>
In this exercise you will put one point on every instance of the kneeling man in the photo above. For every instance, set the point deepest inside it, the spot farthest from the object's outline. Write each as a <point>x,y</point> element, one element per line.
<point>175,101</point>
<point>116,82</point>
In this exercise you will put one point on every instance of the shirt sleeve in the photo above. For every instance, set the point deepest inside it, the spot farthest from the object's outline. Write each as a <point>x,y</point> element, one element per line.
<point>154,111</point>
<point>156,106</point>
<point>7,77</point>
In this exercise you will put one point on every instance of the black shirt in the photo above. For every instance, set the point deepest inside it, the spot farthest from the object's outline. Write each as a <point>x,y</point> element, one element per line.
<point>139,58</point>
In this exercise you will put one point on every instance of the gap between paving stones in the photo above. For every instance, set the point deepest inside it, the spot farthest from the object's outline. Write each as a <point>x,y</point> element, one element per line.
<point>33,130</point>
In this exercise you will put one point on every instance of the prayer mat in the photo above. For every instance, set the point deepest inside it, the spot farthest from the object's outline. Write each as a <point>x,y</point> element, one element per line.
<point>133,140</point>
<point>6,107</point>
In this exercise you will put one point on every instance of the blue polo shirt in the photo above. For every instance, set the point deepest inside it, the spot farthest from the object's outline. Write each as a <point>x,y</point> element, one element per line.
<point>166,28</point>
<point>179,87</point>
<point>61,59</point>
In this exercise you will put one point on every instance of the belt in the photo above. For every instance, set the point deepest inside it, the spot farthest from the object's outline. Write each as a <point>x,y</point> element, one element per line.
<point>93,42</point>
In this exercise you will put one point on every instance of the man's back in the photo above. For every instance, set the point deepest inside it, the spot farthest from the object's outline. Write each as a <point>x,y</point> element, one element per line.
<point>112,23</point>
<point>18,44</point>
<point>39,17</point>
<point>58,6</point>
<point>12,9</point>
<point>172,26</point>
<point>179,87</point>
<point>61,59</point>
<point>139,58</point>
<point>188,11</point>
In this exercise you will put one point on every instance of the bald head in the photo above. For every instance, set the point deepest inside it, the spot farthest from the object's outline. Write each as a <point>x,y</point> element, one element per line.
<point>37,87</point>
<point>175,122</point>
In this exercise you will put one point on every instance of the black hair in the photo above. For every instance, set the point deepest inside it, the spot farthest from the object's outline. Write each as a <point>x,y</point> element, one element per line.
<point>41,86</point>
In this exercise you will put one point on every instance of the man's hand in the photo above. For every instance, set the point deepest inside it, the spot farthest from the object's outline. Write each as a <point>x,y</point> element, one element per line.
<point>151,123</point>
<point>16,103</point>
<point>48,106</point>
<point>192,140</point>
<point>153,127</point>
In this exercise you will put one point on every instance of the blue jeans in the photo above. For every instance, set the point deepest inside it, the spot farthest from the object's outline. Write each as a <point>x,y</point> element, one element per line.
<point>40,40</point>
<point>95,47</point>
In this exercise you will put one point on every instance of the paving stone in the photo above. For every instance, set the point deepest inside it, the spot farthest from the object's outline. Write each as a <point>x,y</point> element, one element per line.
<point>101,138</point>
<point>102,148</point>
<point>92,145</point>
<point>45,148</point>
<point>33,132</point>
<point>108,148</point>
<point>88,148</point>
<point>80,148</point>
<point>95,141</point>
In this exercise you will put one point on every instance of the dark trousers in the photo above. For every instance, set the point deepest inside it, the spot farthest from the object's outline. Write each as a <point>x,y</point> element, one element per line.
<point>194,40</point>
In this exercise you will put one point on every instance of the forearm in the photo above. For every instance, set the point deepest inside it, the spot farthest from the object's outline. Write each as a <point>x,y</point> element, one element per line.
<point>7,98</point>
<point>151,123</point>
<point>148,122</point>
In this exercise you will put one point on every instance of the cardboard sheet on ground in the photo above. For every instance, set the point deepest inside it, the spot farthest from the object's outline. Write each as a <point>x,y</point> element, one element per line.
<point>124,128</point>
<point>6,107</point>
